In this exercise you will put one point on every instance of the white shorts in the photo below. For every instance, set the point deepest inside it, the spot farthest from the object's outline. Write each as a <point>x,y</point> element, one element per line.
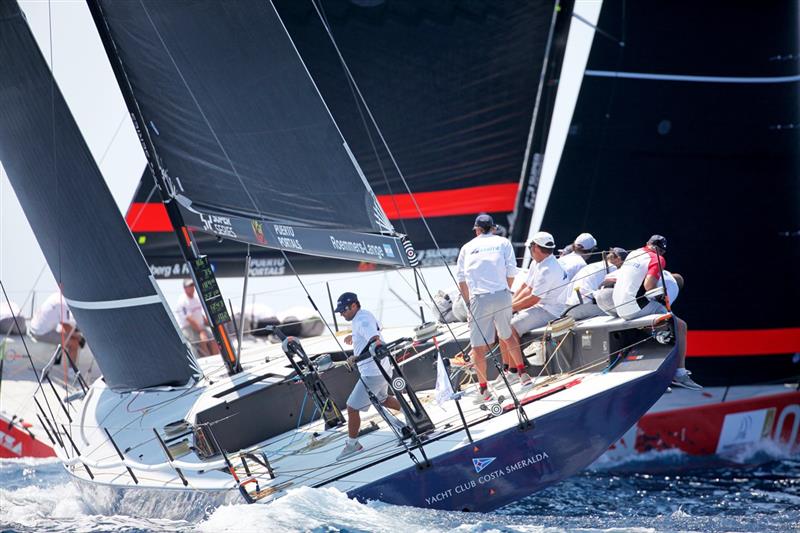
<point>491,314</point>
<point>583,311</point>
<point>531,318</point>
<point>359,399</point>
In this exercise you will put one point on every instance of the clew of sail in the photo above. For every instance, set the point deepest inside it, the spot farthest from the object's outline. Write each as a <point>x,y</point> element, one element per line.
<point>240,131</point>
<point>85,241</point>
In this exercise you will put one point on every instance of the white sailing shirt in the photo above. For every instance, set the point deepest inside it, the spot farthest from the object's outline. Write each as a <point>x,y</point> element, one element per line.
<point>365,327</point>
<point>587,280</point>
<point>549,282</point>
<point>672,286</point>
<point>189,307</point>
<point>485,263</point>
<point>571,263</point>
<point>50,315</point>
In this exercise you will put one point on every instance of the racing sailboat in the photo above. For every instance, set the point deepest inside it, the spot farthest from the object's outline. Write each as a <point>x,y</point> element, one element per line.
<point>663,130</point>
<point>242,145</point>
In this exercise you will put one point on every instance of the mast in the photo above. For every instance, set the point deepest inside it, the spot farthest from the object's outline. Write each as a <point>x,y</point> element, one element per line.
<point>204,279</point>
<point>540,119</point>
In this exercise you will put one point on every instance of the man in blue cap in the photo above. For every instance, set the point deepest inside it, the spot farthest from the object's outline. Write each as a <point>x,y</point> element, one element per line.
<point>366,329</point>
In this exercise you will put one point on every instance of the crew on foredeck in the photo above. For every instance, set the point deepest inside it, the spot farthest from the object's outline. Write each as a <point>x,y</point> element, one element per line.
<point>581,301</point>
<point>574,257</point>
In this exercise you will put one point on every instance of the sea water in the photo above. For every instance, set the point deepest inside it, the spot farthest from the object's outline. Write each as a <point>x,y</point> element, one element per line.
<point>37,495</point>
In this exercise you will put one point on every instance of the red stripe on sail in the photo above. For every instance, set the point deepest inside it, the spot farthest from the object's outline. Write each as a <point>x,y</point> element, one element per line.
<point>148,218</point>
<point>724,343</point>
<point>499,198</point>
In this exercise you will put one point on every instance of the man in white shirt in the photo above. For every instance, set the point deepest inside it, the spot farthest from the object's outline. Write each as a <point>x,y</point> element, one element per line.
<point>366,330</point>
<point>193,322</point>
<point>486,270</point>
<point>540,299</point>
<point>53,323</point>
<point>580,298</point>
<point>574,257</point>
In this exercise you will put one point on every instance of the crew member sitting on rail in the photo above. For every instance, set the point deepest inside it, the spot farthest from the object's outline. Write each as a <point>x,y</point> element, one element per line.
<point>193,322</point>
<point>486,270</point>
<point>365,330</point>
<point>53,323</point>
<point>580,301</point>
<point>540,299</point>
<point>641,272</point>
<point>574,256</point>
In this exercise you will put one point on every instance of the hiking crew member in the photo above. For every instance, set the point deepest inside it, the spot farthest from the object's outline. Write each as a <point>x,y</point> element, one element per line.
<point>581,296</point>
<point>641,272</point>
<point>365,330</point>
<point>574,256</point>
<point>541,298</point>
<point>486,270</point>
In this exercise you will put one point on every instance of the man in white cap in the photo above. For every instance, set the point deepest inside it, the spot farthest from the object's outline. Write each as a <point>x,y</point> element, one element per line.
<point>193,322</point>
<point>587,282</point>
<point>486,270</point>
<point>539,300</point>
<point>575,259</point>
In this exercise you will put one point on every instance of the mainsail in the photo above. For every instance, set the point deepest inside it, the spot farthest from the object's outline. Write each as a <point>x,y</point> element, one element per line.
<point>87,245</point>
<point>700,145</point>
<point>240,132</point>
<point>452,88</point>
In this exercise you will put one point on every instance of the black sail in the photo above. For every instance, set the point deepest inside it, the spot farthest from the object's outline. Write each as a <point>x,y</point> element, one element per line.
<point>692,130</point>
<point>237,122</point>
<point>452,87</point>
<point>77,224</point>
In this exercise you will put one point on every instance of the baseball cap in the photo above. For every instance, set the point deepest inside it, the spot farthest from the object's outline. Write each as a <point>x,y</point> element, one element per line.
<point>585,241</point>
<point>344,300</point>
<point>187,282</point>
<point>622,253</point>
<point>660,241</point>
<point>543,239</point>
<point>483,221</point>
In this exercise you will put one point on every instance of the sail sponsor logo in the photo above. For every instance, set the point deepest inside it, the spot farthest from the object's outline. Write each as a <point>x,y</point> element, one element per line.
<point>169,271</point>
<point>361,247</point>
<point>488,477</point>
<point>219,225</point>
<point>286,237</point>
<point>258,231</point>
<point>10,443</point>
<point>267,267</point>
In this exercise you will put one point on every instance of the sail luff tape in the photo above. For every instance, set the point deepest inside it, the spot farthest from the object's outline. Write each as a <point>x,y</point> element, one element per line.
<point>114,304</point>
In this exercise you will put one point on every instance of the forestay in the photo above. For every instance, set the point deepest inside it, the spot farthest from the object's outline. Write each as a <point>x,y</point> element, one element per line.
<point>241,131</point>
<point>86,243</point>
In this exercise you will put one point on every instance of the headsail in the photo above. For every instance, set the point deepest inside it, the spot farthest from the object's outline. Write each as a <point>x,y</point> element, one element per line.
<point>77,224</point>
<point>452,89</point>
<point>241,131</point>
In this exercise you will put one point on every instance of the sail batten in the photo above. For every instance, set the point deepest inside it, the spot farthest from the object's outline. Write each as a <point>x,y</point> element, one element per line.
<point>75,220</point>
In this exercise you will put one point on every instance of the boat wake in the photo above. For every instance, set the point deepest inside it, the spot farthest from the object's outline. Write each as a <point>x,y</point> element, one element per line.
<point>674,460</point>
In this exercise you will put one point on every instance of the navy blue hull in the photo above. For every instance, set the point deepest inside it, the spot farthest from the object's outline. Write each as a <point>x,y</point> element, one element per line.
<point>515,463</point>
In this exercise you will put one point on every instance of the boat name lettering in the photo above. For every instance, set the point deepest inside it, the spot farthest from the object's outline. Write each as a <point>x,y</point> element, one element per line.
<point>216,224</point>
<point>357,247</point>
<point>286,231</point>
<point>487,477</point>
